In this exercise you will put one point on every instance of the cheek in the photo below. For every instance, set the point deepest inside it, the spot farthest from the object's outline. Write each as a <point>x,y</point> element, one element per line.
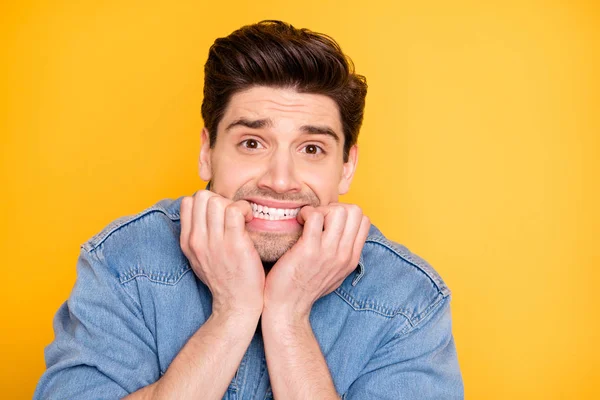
<point>230,174</point>
<point>323,182</point>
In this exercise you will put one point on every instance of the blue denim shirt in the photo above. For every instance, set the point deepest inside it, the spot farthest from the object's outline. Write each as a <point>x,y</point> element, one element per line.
<point>386,332</point>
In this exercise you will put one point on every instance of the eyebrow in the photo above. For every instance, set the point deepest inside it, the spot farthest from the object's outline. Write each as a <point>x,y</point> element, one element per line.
<point>252,124</point>
<point>262,123</point>
<point>320,130</point>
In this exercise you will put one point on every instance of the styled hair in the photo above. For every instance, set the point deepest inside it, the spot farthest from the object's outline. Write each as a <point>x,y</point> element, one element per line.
<point>275,54</point>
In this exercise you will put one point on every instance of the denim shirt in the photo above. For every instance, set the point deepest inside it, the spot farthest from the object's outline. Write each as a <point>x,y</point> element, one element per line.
<point>386,332</point>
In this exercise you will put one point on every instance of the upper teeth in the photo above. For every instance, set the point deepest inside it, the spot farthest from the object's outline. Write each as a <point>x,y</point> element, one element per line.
<point>273,214</point>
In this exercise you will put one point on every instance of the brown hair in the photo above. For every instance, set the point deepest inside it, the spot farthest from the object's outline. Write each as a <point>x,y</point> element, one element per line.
<point>274,53</point>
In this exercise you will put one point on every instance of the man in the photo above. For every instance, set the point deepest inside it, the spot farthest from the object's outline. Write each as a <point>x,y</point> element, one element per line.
<point>263,285</point>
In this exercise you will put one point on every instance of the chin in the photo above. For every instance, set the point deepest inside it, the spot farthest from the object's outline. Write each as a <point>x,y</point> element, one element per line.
<point>271,246</point>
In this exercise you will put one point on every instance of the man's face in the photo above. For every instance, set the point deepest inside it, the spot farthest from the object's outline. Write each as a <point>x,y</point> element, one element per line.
<point>280,150</point>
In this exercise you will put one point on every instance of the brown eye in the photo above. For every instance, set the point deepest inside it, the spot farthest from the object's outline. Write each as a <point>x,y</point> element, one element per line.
<point>312,149</point>
<point>251,144</point>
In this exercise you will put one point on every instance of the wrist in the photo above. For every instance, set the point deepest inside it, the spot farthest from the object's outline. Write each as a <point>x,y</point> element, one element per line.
<point>284,321</point>
<point>233,329</point>
<point>235,316</point>
<point>292,312</point>
<point>244,311</point>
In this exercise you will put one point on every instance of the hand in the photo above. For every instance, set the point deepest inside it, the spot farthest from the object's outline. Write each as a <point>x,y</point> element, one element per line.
<point>326,253</point>
<point>221,252</point>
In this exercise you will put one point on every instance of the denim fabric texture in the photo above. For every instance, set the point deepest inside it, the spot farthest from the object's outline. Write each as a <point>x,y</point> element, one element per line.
<point>386,332</point>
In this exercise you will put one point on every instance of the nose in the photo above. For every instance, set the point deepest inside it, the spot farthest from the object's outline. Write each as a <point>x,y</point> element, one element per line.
<point>280,174</point>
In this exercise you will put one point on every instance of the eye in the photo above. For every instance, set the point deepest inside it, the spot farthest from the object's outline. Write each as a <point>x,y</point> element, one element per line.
<point>312,149</point>
<point>251,144</point>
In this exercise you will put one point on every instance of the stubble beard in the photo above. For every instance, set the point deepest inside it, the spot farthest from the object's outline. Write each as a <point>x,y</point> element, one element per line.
<point>271,246</point>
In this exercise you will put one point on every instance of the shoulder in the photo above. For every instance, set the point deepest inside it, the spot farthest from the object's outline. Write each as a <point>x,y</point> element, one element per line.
<point>392,281</point>
<point>143,244</point>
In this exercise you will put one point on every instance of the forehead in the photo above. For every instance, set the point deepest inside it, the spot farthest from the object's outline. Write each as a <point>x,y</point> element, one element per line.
<point>283,105</point>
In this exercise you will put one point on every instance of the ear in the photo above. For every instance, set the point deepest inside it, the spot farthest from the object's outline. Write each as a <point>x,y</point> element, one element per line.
<point>204,166</point>
<point>348,170</point>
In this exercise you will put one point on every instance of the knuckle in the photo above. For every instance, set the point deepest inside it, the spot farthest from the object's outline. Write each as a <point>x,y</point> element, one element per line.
<point>212,201</point>
<point>343,258</point>
<point>339,210</point>
<point>185,203</point>
<point>310,252</point>
<point>232,210</point>
<point>194,244</point>
<point>307,210</point>
<point>184,248</point>
<point>315,217</point>
<point>240,247</point>
<point>204,195</point>
<point>344,252</point>
<point>216,204</point>
<point>354,208</point>
<point>335,207</point>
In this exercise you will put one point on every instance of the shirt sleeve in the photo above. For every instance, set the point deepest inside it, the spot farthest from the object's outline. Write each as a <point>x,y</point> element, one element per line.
<point>417,365</point>
<point>102,348</point>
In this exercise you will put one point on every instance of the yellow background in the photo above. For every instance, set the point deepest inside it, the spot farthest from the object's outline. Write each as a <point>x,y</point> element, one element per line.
<point>479,151</point>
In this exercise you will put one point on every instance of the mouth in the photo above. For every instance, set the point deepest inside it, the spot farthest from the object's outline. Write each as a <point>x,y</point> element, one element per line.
<point>261,211</point>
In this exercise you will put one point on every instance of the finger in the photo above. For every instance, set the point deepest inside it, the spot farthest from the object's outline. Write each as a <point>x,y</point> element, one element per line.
<point>361,237</point>
<point>215,218</point>
<point>351,228</point>
<point>313,227</point>
<point>185,218</point>
<point>334,223</point>
<point>237,214</point>
<point>303,214</point>
<point>198,230</point>
<point>306,210</point>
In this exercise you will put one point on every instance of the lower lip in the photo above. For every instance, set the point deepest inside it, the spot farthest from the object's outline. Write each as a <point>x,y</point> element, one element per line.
<point>282,225</point>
